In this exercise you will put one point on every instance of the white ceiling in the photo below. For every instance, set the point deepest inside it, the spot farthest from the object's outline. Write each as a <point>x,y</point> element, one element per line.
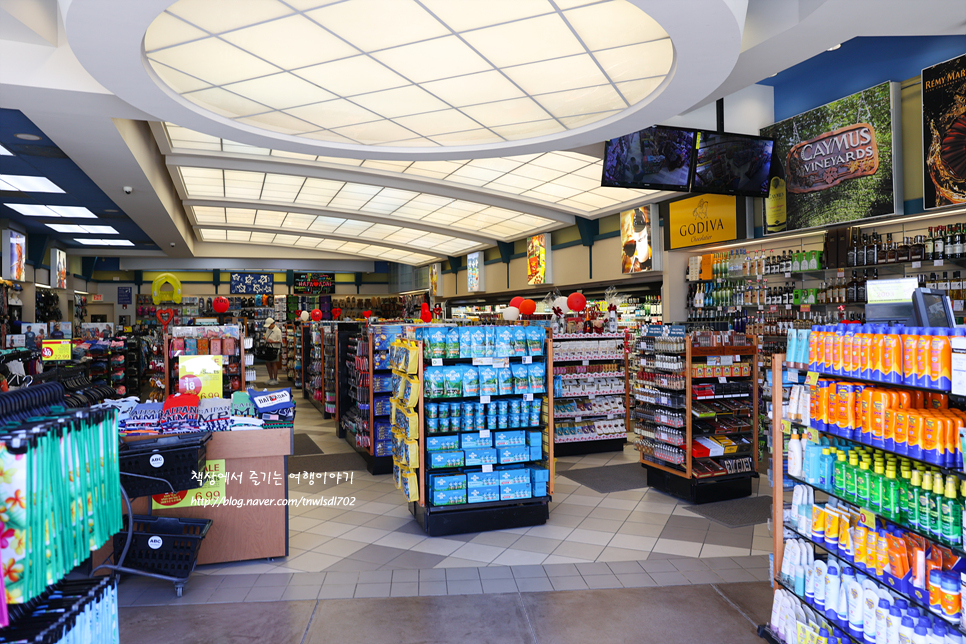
<point>216,183</point>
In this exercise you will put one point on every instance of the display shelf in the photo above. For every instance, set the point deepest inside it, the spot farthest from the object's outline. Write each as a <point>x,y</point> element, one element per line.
<point>579,415</point>
<point>588,336</point>
<point>697,473</point>
<point>613,392</point>
<point>597,358</point>
<point>171,362</point>
<point>358,422</point>
<point>878,383</point>
<point>842,626</point>
<point>588,376</point>
<point>591,446</point>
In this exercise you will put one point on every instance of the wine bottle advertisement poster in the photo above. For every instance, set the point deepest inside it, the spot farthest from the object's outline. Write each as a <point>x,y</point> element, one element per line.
<point>836,163</point>
<point>944,133</point>
<point>636,248</point>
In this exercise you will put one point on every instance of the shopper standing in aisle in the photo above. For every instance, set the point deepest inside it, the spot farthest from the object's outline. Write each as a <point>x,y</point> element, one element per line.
<point>273,338</point>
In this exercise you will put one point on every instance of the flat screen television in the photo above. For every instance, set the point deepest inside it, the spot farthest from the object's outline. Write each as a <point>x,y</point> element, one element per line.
<point>658,158</point>
<point>731,164</point>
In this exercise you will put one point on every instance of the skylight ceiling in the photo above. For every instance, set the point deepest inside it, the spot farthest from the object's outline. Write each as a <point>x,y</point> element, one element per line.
<point>349,197</point>
<point>569,179</point>
<point>461,72</point>
<point>317,243</point>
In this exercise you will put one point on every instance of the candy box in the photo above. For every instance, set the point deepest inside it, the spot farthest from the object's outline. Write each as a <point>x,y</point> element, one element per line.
<point>512,491</point>
<point>483,494</point>
<point>452,458</point>
<point>447,481</point>
<point>448,497</point>
<point>519,454</point>
<point>482,479</point>
<point>442,443</point>
<point>481,456</point>
<point>507,439</point>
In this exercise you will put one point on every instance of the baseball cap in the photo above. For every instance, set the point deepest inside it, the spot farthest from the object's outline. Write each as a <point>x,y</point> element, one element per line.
<point>269,321</point>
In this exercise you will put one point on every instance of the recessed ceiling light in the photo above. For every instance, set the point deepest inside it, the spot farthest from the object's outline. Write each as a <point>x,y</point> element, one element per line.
<point>368,73</point>
<point>4,152</point>
<point>90,230</point>
<point>37,210</point>
<point>27,137</point>
<point>103,242</point>
<point>834,48</point>
<point>26,183</point>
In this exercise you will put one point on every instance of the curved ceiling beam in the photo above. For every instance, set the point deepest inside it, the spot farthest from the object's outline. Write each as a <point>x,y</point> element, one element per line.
<point>227,161</point>
<point>317,235</point>
<point>328,212</point>
<point>235,250</point>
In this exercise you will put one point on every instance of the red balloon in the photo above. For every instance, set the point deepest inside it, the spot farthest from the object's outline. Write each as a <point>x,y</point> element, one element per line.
<point>527,307</point>
<point>367,314</point>
<point>316,314</point>
<point>220,304</point>
<point>425,315</point>
<point>336,313</point>
<point>576,301</point>
<point>515,302</point>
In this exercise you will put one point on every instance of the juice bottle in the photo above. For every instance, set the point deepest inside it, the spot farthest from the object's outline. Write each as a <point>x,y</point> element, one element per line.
<point>891,366</point>
<point>910,340</point>
<point>940,360</point>
<point>922,357</point>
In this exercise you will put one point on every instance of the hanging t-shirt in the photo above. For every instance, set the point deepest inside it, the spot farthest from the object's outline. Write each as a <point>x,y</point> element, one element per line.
<point>180,412</point>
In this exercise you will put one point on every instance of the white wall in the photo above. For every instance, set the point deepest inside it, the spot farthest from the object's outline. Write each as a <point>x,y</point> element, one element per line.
<point>745,112</point>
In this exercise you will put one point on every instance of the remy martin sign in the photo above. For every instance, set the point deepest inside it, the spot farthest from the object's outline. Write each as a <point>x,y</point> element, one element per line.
<point>704,219</point>
<point>833,157</point>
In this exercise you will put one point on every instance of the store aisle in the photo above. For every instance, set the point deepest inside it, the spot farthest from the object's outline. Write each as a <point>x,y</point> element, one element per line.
<point>671,615</point>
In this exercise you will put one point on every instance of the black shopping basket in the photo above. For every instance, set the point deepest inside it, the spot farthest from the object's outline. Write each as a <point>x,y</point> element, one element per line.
<point>149,466</point>
<point>163,546</point>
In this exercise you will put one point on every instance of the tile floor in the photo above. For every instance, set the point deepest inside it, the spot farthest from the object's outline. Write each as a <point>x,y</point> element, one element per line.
<point>377,549</point>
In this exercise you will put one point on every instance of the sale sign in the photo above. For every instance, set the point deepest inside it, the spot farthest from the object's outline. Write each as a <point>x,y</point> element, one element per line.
<point>212,491</point>
<point>55,350</point>
<point>200,375</point>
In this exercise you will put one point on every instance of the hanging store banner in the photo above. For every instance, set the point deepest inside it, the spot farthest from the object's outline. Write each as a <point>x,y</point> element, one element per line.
<point>944,133</point>
<point>637,253</point>
<point>14,256</point>
<point>58,268</point>
<point>475,277</point>
<point>539,260</point>
<point>313,283</point>
<point>434,271</point>
<point>704,219</point>
<point>252,283</point>
<point>838,162</point>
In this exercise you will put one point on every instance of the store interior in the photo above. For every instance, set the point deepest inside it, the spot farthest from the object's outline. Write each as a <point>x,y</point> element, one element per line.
<point>538,323</point>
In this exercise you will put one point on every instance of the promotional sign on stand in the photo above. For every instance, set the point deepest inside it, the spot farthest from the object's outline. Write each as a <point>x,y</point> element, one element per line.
<point>200,375</point>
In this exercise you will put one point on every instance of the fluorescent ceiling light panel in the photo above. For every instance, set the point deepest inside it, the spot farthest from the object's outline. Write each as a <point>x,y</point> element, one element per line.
<point>637,61</point>
<point>213,61</point>
<point>441,122</point>
<point>470,14</point>
<point>36,210</point>
<point>377,24</point>
<point>526,41</point>
<point>401,101</point>
<point>433,60</point>
<point>471,89</point>
<point>176,80</point>
<point>518,110</point>
<point>306,42</point>
<point>334,114</point>
<point>167,30</point>
<point>612,24</point>
<point>351,76</point>
<point>27,183</point>
<point>279,122</point>
<point>281,91</point>
<point>103,242</point>
<point>216,16</point>
<point>225,103</point>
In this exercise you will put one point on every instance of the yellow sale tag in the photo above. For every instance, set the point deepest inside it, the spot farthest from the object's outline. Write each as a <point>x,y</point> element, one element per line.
<point>786,427</point>
<point>867,519</point>
<point>812,378</point>
<point>811,435</point>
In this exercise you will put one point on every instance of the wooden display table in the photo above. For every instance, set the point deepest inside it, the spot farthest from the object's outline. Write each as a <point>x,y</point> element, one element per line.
<point>247,532</point>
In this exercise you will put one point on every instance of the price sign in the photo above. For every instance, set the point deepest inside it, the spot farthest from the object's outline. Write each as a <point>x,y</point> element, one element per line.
<point>917,264</point>
<point>788,274</point>
<point>937,262</point>
<point>806,308</point>
<point>840,273</point>
<point>812,435</point>
<point>484,399</point>
<point>501,362</point>
<point>487,468</point>
<point>577,419</point>
<point>867,519</point>
<point>585,362</point>
<point>722,379</point>
<point>727,360</point>
<point>610,416</point>
<point>788,307</point>
<point>812,378</point>
<point>437,362</point>
<point>212,492</point>
<point>528,397</point>
<point>482,361</point>
<point>786,427</point>
<point>793,373</point>
<point>484,433</point>
<point>527,359</point>
<point>55,350</point>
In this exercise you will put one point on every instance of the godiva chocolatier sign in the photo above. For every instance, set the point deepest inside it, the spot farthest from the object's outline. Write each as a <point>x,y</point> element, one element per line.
<point>828,160</point>
<point>838,162</point>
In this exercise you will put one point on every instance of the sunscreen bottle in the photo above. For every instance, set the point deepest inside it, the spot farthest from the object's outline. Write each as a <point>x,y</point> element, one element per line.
<point>923,346</point>
<point>940,360</point>
<point>910,340</point>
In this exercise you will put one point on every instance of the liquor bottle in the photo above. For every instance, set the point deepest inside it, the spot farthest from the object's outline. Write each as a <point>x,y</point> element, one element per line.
<point>775,202</point>
<point>883,256</point>
<point>957,251</point>
<point>917,250</point>
<point>939,244</point>
<point>932,281</point>
<point>904,251</point>
<point>944,282</point>
<point>820,296</point>
<point>860,251</point>
<point>950,242</point>
<point>928,247</point>
<point>797,261</point>
<point>853,244</point>
<point>872,250</point>
<point>861,290</point>
<point>851,292</point>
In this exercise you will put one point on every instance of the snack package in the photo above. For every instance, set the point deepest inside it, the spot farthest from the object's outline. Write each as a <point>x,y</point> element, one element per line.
<point>434,382</point>
<point>453,342</point>
<point>535,338</point>
<point>466,341</point>
<point>477,342</point>
<point>519,341</point>
<point>489,334</point>
<point>537,376</point>
<point>521,378</point>
<point>437,342</point>
<point>453,382</point>
<point>504,342</point>
<point>488,381</point>
<point>505,381</point>
<point>471,381</point>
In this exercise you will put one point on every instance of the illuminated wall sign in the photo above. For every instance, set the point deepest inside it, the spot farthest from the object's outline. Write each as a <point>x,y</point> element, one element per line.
<point>313,283</point>
<point>14,256</point>
<point>475,274</point>
<point>637,254</point>
<point>944,133</point>
<point>838,162</point>
<point>704,219</point>
<point>58,268</point>
<point>539,260</point>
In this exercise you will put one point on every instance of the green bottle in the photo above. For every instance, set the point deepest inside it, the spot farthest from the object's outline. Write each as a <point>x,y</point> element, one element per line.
<point>851,474</point>
<point>905,491</point>
<point>935,505</point>
<point>925,491</point>
<point>951,512</point>
<point>876,478</point>
<point>915,490</point>
<point>890,495</point>
<point>862,481</point>
<point>838,477</point>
